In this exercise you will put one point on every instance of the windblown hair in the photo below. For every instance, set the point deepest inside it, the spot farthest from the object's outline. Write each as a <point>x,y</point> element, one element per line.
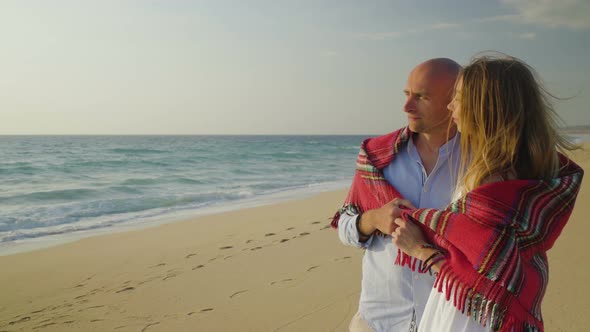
<point>508,125</point>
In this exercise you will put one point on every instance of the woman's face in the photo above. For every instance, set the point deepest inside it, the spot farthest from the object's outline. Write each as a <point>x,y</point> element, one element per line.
<point>455,104</point>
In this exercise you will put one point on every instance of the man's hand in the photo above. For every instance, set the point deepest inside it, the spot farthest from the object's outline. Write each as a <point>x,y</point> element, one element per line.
<point>383,218</point>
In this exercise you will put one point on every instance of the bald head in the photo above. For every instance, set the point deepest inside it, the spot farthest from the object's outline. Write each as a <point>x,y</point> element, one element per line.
<point>428,92</point>
<point>438,69</point>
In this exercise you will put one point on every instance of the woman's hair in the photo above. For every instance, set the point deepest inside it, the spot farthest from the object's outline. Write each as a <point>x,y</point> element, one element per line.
<point>508,125</point>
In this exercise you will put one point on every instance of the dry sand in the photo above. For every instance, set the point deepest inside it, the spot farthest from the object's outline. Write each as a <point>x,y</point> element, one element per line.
<point>270,268</point>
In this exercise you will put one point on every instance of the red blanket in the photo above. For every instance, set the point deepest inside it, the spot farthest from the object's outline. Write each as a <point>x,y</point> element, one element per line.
<point>369,189</point>
<point>496,239</point>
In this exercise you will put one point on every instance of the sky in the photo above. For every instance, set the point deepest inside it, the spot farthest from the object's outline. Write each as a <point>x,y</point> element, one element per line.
<point>172,67</point>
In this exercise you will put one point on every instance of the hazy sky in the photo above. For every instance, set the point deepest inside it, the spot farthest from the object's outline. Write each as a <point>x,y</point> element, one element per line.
<point>263,67</point>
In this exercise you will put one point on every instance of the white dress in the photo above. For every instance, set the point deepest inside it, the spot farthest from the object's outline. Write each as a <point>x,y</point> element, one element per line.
<point>441,316</point>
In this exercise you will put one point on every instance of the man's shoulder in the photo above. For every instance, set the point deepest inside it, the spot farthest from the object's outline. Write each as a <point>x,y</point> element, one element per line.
<point>386,141</point>
<point>381,150</point>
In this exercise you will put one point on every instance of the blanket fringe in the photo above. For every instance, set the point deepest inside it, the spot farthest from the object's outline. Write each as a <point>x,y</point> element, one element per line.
<point>485,306</point>
<point>412,263</point>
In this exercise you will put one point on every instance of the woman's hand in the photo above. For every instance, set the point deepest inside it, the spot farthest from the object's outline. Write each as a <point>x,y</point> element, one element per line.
<point>409,238</point>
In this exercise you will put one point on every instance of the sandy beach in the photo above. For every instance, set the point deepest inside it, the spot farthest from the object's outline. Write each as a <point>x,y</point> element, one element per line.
<point>271,268</point>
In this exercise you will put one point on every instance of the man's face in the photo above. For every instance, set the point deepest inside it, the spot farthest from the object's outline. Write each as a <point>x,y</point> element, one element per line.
<point>427,98</point>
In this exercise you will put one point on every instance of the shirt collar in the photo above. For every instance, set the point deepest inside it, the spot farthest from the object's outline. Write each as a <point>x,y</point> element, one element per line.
<point>443,151</point>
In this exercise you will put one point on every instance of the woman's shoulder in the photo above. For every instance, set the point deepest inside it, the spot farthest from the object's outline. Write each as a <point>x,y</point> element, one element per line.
<point>499,177</point>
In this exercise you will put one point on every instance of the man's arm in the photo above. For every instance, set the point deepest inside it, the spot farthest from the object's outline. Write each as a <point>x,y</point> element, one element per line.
<point>348,232</point>
<point>356,230</point>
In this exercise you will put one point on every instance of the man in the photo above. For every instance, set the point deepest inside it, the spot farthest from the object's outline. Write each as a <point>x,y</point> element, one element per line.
<point>409,167</point>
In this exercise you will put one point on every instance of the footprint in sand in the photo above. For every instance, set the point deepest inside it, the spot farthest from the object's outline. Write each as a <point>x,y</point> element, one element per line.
<point>24,319</point>
<point>94,307</point>
<point>290,228</point>
<point>237,293</point>
<point>303,234</point>
<point>206,309</point>
<point>226,247</point>
<point>269,234</point>
<point>198,267</point>
<point>126,289</point>
<point>190,255</point>
<point>150,324</point>
<point>169,276</point>
<point>342,258</point>
<point>157,265</point>
<point>284,240</point>
<point>257,248</point>
<point>282,281</point>
<point>313,267</point>
<point>248,241</point>
<point>326,227</point>
<point>44,325</point>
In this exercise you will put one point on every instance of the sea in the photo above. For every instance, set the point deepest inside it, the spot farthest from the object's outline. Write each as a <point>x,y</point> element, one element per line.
<point>55,189</point>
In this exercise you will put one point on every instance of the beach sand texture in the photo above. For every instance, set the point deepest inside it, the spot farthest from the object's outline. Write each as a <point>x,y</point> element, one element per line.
<point>271,268</point>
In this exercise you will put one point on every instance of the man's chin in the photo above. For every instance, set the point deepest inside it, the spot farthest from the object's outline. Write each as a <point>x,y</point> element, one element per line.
<point>415,127</point>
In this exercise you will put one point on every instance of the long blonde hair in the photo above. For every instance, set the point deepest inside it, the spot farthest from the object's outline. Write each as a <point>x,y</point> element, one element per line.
<point>508,125</point>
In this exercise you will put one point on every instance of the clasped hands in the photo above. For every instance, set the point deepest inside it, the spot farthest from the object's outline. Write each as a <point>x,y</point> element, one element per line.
<point>406,236</point>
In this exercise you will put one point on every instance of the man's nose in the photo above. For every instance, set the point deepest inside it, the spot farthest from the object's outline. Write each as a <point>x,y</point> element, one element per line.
<point>409,105</point>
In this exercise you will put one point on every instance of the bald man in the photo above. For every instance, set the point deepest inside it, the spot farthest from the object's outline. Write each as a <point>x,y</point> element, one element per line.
<point>419,169</point>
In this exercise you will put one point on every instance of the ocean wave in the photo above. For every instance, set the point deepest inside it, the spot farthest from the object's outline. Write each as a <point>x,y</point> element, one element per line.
<point>137,151</point>
<point>20,170</point>
<point>160,180</point>
<point>140,182</point>
<point>33,217</point>
<point>51,196</point>
<point>32,234</point>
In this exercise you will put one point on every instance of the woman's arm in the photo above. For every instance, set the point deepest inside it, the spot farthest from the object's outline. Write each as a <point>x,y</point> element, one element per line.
<point>409,238</point>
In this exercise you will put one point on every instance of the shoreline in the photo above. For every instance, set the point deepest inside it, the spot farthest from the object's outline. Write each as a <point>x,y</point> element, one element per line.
<point>138,224</point>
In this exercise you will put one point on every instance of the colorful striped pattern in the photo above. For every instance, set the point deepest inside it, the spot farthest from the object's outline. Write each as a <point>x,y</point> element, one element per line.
<point>369,189</point>
<point>496,238</point>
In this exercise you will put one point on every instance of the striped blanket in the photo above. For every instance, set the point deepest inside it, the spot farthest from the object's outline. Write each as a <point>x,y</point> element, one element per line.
<point>496,239</point>
<point>369,189</point>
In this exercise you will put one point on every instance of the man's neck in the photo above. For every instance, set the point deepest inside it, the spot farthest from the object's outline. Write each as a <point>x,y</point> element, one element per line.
<point>431,142</point>
<point>428,145</point>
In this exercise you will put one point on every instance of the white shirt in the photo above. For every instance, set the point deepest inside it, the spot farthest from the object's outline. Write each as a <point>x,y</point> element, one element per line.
<point>391,295</point>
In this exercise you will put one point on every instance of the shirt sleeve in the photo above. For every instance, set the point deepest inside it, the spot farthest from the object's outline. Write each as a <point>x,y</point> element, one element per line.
<point>348,233</point>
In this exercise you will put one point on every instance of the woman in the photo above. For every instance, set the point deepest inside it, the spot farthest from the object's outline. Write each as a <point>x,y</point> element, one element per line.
<point>513,198</point>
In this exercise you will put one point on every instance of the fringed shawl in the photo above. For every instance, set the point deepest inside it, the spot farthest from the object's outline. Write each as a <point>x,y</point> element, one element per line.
<point>369,189</point>
<point>496,239</point>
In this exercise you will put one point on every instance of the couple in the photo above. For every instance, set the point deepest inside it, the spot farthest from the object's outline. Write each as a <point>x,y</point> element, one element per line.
<point>484,139</point>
